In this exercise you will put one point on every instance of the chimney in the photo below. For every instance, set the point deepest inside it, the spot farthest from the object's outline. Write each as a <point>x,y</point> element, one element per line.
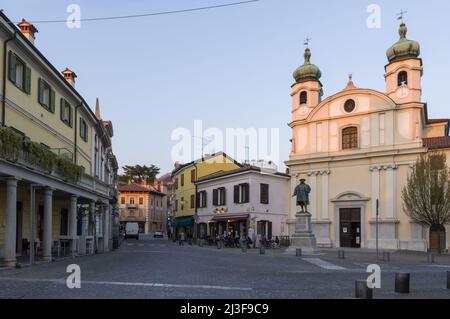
<point>97,109</point>
<point>70,76</point>
<point>28,30</point>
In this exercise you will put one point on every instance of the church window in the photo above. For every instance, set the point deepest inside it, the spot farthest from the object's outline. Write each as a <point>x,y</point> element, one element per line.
<point>402,78</point>
<point>349,138</point>
<point>303,97</point>
<point>349,106</point>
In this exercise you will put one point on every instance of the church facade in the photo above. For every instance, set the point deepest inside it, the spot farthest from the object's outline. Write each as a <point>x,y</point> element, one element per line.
<point>356,148</point>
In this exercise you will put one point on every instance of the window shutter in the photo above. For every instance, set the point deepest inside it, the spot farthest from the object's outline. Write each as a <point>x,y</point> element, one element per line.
<point>61,103</point>
<point>215,197</point>
<point>264,193</point>
<point>204,199</point>
<point>41,91</point>
<point>27,80</point>
<point>52,101</point>
<point>70,116</point>
<point>246,193</point>
<point>236,193</point>
<point>197,201</point>
<point>12,67</point>
<point>224,198</point>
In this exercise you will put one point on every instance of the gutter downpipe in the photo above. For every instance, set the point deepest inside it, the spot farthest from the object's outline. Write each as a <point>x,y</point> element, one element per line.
<point>5,57</point>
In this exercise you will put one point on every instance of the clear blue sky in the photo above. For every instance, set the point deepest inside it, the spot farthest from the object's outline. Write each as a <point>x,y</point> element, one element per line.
<point>230,67</point>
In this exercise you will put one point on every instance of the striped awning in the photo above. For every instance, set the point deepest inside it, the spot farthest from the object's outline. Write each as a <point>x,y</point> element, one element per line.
<point>230,218</point>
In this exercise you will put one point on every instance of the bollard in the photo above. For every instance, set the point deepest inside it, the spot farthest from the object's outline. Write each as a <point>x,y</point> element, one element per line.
<point>386,256</point>
<point>262,250</point>
<point>298,252</point>
<point>430,258</point>
<point>402,283</point>
<point>448,279</point>
<point>362,291</point>
<point>341,254</point>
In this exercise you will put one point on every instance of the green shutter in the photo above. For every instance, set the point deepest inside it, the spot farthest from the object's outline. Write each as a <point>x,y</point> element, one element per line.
<point>41,91</point>
<point>12,67</point>
<point>61,108</point>
<point>70,116</point>
<point>27,80</point>
<point>52,101</point>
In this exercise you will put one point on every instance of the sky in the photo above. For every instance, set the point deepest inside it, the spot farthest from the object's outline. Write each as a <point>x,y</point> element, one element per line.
<point>228,67</point>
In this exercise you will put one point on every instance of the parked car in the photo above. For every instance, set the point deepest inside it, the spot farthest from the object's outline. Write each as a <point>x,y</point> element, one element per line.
<point>132,230</point>
<point>158,234</point>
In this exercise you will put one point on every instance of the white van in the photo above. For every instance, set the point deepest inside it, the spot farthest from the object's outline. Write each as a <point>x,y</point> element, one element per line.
<point>132,230</point>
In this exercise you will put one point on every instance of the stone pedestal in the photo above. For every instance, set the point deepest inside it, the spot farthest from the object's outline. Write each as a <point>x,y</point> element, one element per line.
<point>303,236</point>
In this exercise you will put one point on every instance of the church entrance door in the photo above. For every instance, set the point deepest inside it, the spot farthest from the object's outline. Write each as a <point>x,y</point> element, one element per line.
<point>350,227</point>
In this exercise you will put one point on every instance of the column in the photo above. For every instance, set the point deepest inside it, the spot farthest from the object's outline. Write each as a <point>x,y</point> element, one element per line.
<point>73,222</point>
<point>325,215</point>
<point>48,223</point>
<point>375,189</point>
<point>313,195</point>
<point>390,188</point>
<point>107,217</point>
<point>11,222</point>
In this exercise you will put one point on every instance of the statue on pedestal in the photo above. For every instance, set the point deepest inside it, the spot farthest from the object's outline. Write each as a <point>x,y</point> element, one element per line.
<point>302,191</point>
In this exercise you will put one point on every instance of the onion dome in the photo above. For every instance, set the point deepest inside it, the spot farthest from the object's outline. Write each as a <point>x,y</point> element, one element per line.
<point>307,71</point>
<point>404,48</point>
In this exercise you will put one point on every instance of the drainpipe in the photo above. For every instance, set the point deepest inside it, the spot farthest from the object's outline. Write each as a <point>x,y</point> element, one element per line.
<point>5,57</point>
<point>76,133</point>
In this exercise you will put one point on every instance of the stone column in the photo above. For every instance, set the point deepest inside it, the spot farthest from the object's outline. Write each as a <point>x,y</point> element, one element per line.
<point>325,215</point>
<point>313,195</point>
<point>11,222</point>
<point>48,224</point>
<point>73,223</point>
<point>390,191</point>
<point>107,217</point>
<point>375,189</point>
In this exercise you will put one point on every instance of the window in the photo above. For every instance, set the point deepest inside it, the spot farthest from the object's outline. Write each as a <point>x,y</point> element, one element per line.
<point>141,201</point>
<point>182,179</point>
<point>176,183</point>
<point>192,201</point>
<point>242,193</point>
<point>219,196</point>
<point>201,199</point>
<point>402,78</point>
<point>83,130</point>
<point>66,112</point>
<point>182,203</point>
<point>46,96</point>
<point>193,176</point>
<point>19,73</point>
<point>131,200</point>
<point>349,106</point>
<point>122,200</point>
<point>264,193</point>
<point>176,205</point>
<point>303,97</point>
<point>349,138</point>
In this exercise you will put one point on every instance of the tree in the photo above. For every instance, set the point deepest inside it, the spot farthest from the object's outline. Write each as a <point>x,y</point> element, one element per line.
<point>139,173</point>
<point>426,197</point>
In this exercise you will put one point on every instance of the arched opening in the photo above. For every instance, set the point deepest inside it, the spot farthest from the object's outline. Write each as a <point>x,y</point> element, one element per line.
<point>303,97</point>
<point>402,78</point>
<point>350,138</point>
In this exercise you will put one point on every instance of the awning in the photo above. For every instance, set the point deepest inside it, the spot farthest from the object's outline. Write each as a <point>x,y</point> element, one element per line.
<point>231,218</point>
<point>184,221</point>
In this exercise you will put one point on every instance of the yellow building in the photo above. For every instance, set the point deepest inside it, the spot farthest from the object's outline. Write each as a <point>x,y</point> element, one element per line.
<point>357,147</point>
<point>185,176</point>
<point>57,168</point>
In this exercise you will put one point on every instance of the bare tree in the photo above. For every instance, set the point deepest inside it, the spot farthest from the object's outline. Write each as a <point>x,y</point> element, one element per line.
<point>426,196</point>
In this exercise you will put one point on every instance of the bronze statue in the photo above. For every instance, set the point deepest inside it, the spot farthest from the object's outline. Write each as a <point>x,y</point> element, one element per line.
<point>302,191</point>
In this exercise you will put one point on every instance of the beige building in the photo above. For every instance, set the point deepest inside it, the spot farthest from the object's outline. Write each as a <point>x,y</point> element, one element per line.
<point>57,168</point>
<point>145,204</point>
<point>358,146</point>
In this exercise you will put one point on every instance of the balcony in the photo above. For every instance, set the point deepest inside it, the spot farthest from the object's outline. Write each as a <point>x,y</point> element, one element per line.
<point>132,206</point>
